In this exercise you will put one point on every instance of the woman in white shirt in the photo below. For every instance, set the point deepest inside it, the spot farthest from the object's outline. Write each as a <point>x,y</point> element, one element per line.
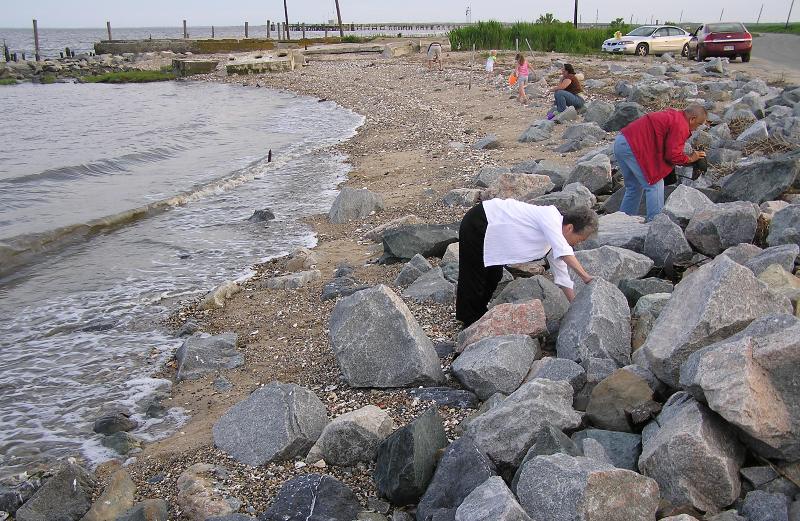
<point>505,231</point>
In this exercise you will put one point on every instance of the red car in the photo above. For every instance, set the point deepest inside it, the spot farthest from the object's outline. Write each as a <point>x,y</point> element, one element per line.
<point>729,39</point>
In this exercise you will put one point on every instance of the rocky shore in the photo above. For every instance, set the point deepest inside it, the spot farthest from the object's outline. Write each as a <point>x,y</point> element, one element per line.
<point>335,384</point>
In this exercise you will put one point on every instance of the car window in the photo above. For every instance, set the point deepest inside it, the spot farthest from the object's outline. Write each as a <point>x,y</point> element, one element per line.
<point>662,32</point>
<point>674,31</point>
<point>645,30</point>
<point>725,28</point>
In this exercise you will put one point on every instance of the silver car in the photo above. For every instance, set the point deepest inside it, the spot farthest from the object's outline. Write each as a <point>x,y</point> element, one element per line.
<point>650,39</point>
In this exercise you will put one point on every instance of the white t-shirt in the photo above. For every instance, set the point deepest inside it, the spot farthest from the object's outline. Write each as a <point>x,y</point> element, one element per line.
<point>520,232</point>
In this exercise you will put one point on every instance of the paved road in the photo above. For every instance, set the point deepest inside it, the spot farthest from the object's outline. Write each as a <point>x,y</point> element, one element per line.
<point>783,50</point>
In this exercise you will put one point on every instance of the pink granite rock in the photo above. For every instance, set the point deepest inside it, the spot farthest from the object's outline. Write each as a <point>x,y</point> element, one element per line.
<point>526,318</point>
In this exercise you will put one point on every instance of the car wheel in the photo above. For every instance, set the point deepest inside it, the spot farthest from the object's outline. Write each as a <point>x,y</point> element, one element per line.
<point>642,49</point>
<point>745,57</point>
<point>685,50</point>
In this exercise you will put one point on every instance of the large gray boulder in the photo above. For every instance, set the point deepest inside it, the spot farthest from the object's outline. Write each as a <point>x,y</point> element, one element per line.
<point>461,470</point>
<point>558,369</point>
<point>406,459</point>
<point>759,505</point>
<point>683,203</point>
<point>723,225</point>
<point>785,226</point>
<point>488,174</point>
<point>598,111</point>
<point>353,204</point>
<point>571,197</point>
<point>431,286</point>
<point>621,230</point>
<point>612,264</point>
<point>540,130</point>
<point>313,496</point>
<point>582,135</point>
<point>644,316</point>
<point>429,240</point>
<point>412,270</point>
<point>556,171</point>
<point>612,400</point>
<point>761,181</point>
<point>559,487</point>
<point>784,255</point>
<point>378,342</point>
<point>742,253</point>
<point>277,422</point>
<point>665,242</point>
<point>491,501</point>
<point>634,289</point>
<point>67,495</point>
<point>549,440</point>
<point>693,455</point>
<point>535,288</point>
<point>624,113</point>
<point>496,364</point>
<point>518,186</point>
<point>594,174</point>
<point>466,197</point>
<point>622,448</point>
<point>597,325</point>
<point>719,299</point>
<point>749,379</point>
<point>202,354</point>
<point>505,432</point>
<point>354,437</point>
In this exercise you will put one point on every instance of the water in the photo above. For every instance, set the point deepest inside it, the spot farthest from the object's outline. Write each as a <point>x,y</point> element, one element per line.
<point>81,314</point>
<point>53,41</point>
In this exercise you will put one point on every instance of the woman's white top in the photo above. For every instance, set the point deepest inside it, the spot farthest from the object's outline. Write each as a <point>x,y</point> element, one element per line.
<point>520,232</point>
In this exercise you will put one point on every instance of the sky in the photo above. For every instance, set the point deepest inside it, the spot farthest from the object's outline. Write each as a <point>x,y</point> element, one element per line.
<point>152,13</point>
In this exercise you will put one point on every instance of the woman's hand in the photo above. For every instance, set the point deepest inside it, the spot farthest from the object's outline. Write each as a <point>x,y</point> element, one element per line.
<point>587,279</point>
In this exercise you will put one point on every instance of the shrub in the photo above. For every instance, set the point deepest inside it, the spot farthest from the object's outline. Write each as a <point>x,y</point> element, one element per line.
<point>545,36</point>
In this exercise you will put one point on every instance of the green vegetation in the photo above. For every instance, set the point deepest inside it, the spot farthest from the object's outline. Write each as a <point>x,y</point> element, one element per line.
<point>548,34</point>
<point>794,28</point>
<point>8,81</point>
<point>48,79</point>
<point>130,77</point>
<point>351,38</point>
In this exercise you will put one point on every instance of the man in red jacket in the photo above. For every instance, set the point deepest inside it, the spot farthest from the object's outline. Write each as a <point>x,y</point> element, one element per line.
<point>649,148</point>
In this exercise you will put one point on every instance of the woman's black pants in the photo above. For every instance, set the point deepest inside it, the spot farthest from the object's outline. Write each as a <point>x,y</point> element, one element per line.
<point>476,282</point>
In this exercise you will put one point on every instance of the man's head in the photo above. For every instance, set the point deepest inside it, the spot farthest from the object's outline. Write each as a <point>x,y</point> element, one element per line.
<point>579,224</point>
<point>696,115</point>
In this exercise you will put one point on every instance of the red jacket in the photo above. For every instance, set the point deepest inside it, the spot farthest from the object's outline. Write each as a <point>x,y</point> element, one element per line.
<point>657,140</point>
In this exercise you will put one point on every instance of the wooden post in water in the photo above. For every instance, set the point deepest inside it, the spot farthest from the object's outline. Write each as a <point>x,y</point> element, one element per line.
<point>108,28</point>
<point>304,30</point>
<point>185,32</point>
<point>36,39</point>
<point>286,14</point>
<point>246,30</point>
<point>212,31</point>
<point>339,16</point>
<point>268,28</point>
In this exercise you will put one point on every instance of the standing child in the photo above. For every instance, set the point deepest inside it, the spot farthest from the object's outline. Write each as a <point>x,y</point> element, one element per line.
<point>490,62</point>
<point>522,78</point>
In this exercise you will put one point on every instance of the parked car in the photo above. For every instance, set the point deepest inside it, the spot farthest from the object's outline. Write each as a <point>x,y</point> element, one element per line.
<point>650,39</point>
<point>729,39</point>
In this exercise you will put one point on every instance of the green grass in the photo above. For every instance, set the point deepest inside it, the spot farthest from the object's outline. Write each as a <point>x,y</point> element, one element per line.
<point>794,28</point>
<point>8,81</point>
<point>48,79</point>
<point>130,77</point>
<point>558,37</point>
<point>351,38</point>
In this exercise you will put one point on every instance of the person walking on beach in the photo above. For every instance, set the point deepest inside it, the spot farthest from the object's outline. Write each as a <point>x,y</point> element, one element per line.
<point>505,231</point>
<point>567,91</point>
<point>435,55</point>
<point>490,61</point>
<point>648,149</point>
<point>522,78</point>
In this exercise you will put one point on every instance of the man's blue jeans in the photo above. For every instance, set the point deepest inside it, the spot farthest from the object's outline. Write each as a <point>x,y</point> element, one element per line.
<point>565,98</point>
<point>635,183</point>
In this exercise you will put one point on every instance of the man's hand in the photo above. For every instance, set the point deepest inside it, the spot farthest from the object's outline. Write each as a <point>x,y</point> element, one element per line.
<point>696,155</point>
<point>587,279</point>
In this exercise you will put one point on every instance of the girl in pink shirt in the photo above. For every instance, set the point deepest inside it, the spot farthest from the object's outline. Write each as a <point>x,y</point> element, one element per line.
<point>522,78</point>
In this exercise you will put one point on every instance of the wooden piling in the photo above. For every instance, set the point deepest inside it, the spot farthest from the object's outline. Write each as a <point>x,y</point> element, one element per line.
<point>108,28</point>
<point>304,30</point>
<point>286,14</point>
<point>212,31</point>
<point>36,39</point>
<point>268,28</point>
<point>185,32</point>
<point>246,30</point>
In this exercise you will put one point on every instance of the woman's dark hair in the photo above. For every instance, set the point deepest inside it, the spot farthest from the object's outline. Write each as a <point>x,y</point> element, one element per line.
<point>569,68</point>
<point>583,220</point>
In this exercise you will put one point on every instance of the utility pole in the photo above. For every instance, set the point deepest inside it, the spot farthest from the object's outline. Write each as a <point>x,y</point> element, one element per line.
<point>681,17</point>
<point>286,14</point>
<point>596,17</point>
<point>575,16</point>
<point>339,16</point>
<point>759,14</point>
<point>790,15</point>
<point>723,12</point>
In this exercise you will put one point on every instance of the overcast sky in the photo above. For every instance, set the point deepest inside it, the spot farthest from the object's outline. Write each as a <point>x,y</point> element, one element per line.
<point>152,13</point>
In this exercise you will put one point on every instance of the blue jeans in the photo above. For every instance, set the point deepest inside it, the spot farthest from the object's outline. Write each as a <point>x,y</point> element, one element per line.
<point>635,183</point>
<point>565,98</point>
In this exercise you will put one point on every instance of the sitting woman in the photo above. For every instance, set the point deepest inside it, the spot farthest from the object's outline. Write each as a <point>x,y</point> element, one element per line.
<point>505,231</point>
<point>567,91</point>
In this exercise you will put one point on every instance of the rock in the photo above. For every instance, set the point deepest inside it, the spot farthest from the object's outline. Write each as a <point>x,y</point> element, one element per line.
<point>740,114</point>
<point>593,450</point>
<point>644,316</point>
<point>413,270</point>
<point>489,142</point>
<point>710,304</point>
<point>489,174</point>
<point>599,112</point>
<point>539,131</point>
<point>558,369</point>
<point>117,497</point>
<point>785,226</point>
<point>526,318</point>
<point>622,448</point>
<point>275,423</point>
<point>741,253</point>
<point>431,286</point>
<point>720,156</point>
<point>67,495</point>
<point>624,113</point>
<point>149,510</point>
<point>518,186</point>
<point>450,271</point>
<point>559,487</point>
<point>618,229</point>
<point>767,479</point>
<point>201,354</point>
<point>460,471</point>
<point>594,174</point>
<point>491,501</point>
<point>770,208</point>
<point>613,398</point>
<point>466,197</point>
<point>378,343</point>
<point>784,255</point>
<point>597,325</point>
<point>313,497</point>
<point>571,197</point>
<point>340,287</point>
<point>665,242</point>
<point>446,397</point>
<point>612,264</point>
<point>540,288</point>
<point>586,133</point>
<point>201,495</point>
<point>293,280</point>
<point>754,133</point>
<point>728,515</point>
<point>548,440</point>
<point>530,407</point>
<point>781,282</point>
<point>496,364</point>
<point>763,506</point>
<point>406,459</point>
<point>260,216</point>
<point>302,259</point>
<point>354,437</point>
<point>451,254</point>
<point>376,234</point>
<point>217,297</point>
<point>378,505</point>
<point>121,442</point>
<point>637,288</point>
<point>761,181</point>
<point>748,380</point>
<point>526,167</point>
<point>714,65</point>
<point>570,114</point>
<point>693,455</point>
<point>681,517</point>
<point>721,226</point>
<point>114,422</point>
<point>429,240</point>
<point>557,172</point>
<point>354,204</point>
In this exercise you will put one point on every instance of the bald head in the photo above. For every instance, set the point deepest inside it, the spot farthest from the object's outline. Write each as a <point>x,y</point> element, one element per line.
<point>696,114</point>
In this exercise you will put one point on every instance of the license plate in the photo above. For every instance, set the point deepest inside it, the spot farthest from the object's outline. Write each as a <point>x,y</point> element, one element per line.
<point>728,48</point>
